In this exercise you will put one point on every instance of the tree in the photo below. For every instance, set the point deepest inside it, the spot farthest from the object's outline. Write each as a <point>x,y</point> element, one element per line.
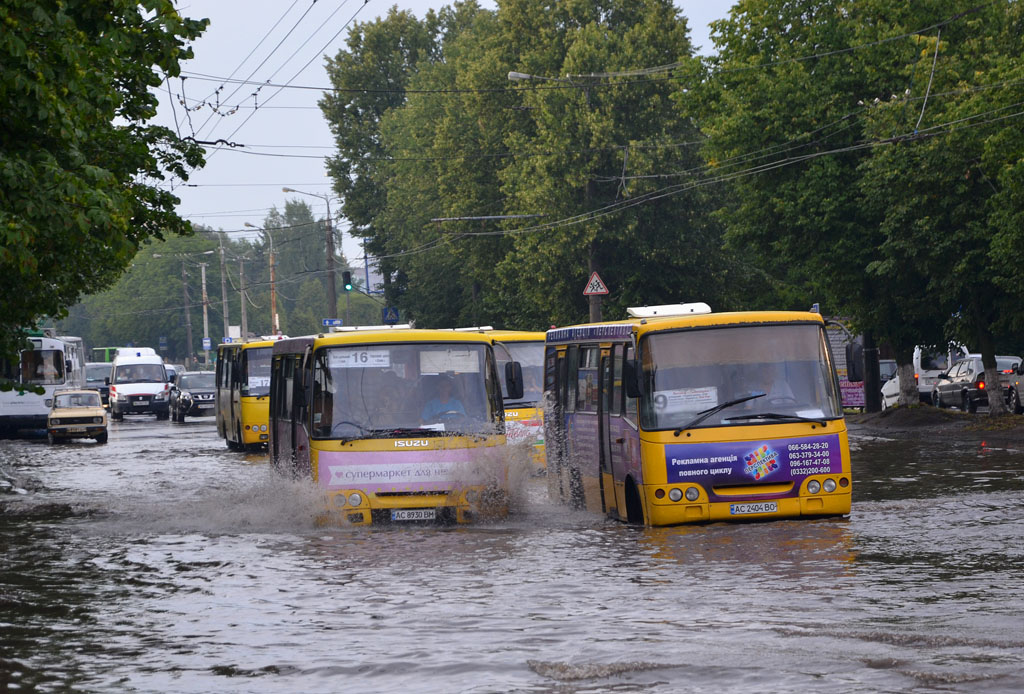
<point>79,166</point>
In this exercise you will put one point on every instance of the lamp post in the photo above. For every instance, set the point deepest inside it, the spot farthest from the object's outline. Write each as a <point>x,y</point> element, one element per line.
<point>332,292</point>
<point>274,326</point>
<point>593,300</point>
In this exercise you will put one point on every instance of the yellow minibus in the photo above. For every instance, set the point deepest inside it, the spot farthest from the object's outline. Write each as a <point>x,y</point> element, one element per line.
<point>680,415</point>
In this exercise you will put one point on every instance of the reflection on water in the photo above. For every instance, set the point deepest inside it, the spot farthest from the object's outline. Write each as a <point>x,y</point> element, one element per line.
<point>177,566</point>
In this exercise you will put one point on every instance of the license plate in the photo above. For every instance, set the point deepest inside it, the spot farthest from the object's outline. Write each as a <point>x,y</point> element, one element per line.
<point>763,507</point>
<point>413,514</point>
<point>140,403</point>
<point>75,430</point>
<point>205,405</point>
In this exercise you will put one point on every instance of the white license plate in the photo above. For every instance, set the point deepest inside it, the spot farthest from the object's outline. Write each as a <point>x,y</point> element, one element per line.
<point>75,430</point>
<point>140,403</point>
<point>763,507</point>
<point>413,514</point>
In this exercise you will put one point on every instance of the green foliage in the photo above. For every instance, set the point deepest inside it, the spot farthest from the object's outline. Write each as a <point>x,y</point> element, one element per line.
<point>78,163</point>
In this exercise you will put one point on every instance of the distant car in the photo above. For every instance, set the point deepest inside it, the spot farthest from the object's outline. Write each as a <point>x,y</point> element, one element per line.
<point>193,394</point>
<point>96,375</point>
<point>173,370</point>
<point>964,384</point>
<point>76,414</point>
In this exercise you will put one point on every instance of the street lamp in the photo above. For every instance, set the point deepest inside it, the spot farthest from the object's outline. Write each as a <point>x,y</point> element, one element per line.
<point>332,293</point>
<point>274,325</point>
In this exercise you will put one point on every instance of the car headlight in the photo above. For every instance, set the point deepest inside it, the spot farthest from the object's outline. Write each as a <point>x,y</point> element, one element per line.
<point>121,397</point>
<point>54,421</point>
<point>97,420</point>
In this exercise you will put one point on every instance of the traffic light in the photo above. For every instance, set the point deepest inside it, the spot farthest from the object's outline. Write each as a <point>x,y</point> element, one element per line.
<point>346,280</point>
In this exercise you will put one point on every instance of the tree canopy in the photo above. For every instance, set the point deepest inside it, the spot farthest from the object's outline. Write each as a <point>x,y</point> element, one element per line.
<point>79,165</point>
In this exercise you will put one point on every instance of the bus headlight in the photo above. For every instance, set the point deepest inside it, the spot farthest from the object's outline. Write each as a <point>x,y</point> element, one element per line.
<point>675,494</point>
<point>692,493</point>
<point>471,496</point>
<point>813,487</point>
<point>339,500</point>
<point>355,498</point>
<point>830,485</point>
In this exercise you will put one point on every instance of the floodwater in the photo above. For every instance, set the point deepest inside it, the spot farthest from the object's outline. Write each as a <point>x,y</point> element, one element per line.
<point>162,562</point>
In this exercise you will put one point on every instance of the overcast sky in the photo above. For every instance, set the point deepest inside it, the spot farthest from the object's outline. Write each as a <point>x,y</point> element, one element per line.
<point>286,138</point>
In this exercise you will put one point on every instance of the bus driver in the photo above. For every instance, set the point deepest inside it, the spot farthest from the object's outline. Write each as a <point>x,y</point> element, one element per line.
<point>444,405</point>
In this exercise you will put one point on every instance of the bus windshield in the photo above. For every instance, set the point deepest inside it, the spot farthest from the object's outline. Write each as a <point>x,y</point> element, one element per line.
<point>530,356</point>
<point>256,365</point>
<point>736,376</point>
<point>366,391</point>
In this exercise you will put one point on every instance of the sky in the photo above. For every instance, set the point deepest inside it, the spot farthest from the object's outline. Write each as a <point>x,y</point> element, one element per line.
<point>283,142</point>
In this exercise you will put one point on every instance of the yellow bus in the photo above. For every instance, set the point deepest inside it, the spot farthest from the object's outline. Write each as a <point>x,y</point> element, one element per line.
<point>680,415</point>
<point>243,393</point>
<point>393,424</point>
<point>524,417</point>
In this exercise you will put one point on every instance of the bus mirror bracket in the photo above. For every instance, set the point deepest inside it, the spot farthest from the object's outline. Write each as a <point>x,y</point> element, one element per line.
<point>514,379</point>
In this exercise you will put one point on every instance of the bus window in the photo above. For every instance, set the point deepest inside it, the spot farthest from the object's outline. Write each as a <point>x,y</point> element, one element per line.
<point>42,367</point>
<point>630,404</point>
<point>586,379</point>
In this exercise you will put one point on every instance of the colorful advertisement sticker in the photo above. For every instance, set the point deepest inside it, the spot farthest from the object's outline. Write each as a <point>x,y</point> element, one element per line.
<point>738,462</point>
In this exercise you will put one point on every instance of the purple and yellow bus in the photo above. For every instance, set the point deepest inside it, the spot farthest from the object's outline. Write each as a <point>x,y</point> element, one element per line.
<point>680,415</point>
<point>393,424</point>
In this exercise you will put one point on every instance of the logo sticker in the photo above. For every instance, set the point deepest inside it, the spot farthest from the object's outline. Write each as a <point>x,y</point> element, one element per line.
<point>762,462</point>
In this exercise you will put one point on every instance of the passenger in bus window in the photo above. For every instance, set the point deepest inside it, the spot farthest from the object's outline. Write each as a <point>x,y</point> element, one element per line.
<point>445,405</point>
<point>768,379</point>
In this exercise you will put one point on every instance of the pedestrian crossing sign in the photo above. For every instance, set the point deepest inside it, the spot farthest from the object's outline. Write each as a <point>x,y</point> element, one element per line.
<point>595,285</point>
<point>389,315</point>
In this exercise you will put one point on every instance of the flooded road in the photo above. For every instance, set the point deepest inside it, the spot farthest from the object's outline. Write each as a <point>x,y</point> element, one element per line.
<point>162,562</point>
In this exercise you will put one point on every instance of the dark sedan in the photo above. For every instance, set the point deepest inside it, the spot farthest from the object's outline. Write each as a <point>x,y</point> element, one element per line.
<point>964,385</point>
<point>194,394</point>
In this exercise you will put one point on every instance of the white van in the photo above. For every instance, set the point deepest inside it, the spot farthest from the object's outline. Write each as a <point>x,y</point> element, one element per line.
<point>138,384</point>
<point>930,363</point>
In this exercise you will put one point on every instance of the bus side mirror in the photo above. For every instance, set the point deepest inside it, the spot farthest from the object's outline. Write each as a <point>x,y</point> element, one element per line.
<point>106,380</point>
<point>854,362</point>
<point>68,367</point>
<point>631,377</point>
<point>514,380</point>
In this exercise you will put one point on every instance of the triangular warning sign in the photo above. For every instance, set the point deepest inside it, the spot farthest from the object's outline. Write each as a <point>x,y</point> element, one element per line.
<point>595,286</point>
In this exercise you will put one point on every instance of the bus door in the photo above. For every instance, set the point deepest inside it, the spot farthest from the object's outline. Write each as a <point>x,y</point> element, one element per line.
<point>300,411</point>
<point>607,475</point>
<point>614,444</point>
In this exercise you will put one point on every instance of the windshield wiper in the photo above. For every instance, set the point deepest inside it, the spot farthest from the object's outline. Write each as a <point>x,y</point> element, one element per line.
<point>776,415</point>
<point>701,416</point>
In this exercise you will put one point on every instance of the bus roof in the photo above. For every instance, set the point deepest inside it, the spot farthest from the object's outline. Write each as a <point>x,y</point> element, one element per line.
<point>638,325</point>
<point>517,335</point>
<point>295,344</point>
<point>251,343</point>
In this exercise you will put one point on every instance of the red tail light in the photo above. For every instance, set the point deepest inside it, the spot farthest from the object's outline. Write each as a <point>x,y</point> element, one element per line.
<point>981,385</point>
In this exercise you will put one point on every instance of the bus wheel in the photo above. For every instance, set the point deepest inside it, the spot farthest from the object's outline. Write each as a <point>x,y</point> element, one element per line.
<point>634,509</point>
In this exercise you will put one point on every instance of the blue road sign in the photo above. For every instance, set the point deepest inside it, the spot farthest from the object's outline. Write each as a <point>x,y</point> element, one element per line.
<point>333,322</point>
<point>207,343</point>
<point>389,315</point>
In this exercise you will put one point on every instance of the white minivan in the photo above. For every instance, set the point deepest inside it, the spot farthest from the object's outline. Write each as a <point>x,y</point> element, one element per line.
<point>138,383</point>
<point>930,363</point>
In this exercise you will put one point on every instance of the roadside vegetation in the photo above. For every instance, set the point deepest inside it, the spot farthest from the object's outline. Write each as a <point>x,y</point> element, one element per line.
<point>866,157</point>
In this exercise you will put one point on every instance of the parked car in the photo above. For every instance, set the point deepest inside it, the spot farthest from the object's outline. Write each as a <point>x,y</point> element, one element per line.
<point>886,370</point>
<point>964,385</point>
<point>76,414</point>
<point>194,394</point>
<point>97,373</point>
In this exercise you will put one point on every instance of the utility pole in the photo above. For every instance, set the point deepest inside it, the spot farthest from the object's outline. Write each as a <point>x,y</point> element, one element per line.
<point>332,291</point>
<point>206,318</point>
<point>223,286</point>
<point>188,317</point>
<point>241,280</point>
